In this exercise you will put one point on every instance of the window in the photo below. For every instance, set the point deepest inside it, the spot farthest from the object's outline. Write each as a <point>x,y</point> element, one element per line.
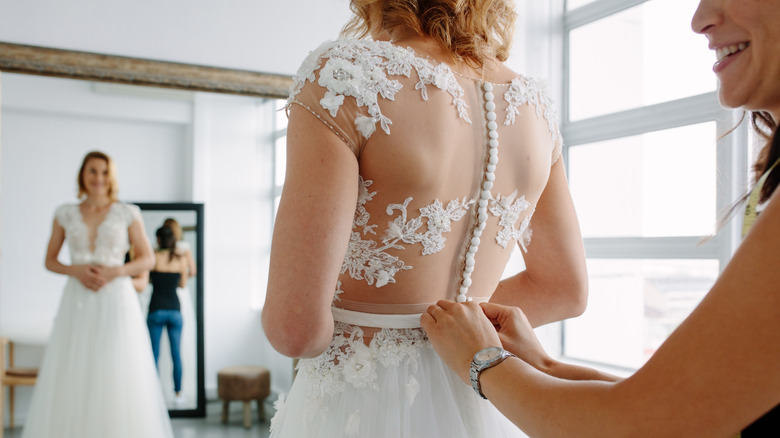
<point>279,137</point>
<point>648,175</point>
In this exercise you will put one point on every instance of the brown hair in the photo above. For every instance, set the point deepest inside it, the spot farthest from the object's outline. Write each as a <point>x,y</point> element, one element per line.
<point>113,184</point>
<point>174,226</point>
<point>166,239</point>
<point>766,127</point>
<point>472,30</point>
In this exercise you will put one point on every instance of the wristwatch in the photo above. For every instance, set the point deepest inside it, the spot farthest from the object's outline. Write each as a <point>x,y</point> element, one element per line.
<point>484,359</point>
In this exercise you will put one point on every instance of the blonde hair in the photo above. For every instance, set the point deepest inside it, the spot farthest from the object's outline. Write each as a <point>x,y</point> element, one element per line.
<point>113,184</point>
<point>472,30</point>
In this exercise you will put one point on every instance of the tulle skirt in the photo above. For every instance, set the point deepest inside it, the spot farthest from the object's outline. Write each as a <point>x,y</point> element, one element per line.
<point>98,377</point>
<point>396,386</point>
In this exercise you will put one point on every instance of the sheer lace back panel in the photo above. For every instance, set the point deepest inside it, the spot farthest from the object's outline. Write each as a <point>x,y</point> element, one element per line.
<point>420,134</point>
<point>111,243</point>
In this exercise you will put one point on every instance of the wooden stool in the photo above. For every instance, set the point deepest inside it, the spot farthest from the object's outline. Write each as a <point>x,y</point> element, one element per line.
<point>244,383</point>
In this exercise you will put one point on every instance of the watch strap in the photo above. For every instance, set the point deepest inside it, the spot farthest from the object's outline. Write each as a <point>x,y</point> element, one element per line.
<point>476,368</point>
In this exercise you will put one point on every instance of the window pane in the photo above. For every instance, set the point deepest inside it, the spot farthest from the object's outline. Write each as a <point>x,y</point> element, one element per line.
<point>633,307</point>
<point>574,4</point>
<point>657,184</point>
<point>641,56</point>
<point>280,115</point>
<point>280,160</point>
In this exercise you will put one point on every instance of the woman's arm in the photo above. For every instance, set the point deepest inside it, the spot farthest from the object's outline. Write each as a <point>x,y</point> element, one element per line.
<point>713,376</point>
<point>141,281</point>
<point>192,269</point>
<point>88,275</point>
<point>310,237</point>
<point>554,285</point>
<point>185,269</point>
<point>143,260</point>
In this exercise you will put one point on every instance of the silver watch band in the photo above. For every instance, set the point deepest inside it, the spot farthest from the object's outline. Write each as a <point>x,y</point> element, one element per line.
<point>477,366</point>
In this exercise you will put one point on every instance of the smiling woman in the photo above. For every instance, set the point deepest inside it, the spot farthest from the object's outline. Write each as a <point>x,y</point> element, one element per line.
<point>99,318</point>
<point>745,40</point>
<point>172,141</point>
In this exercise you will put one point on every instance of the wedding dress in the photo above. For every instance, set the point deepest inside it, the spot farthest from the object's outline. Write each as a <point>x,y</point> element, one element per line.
<point>437,217</point>
<point>98,377</point>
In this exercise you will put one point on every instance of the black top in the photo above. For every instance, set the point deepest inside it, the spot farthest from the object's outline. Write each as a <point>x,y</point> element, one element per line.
<point>164,286</point>
<point>766,426</point>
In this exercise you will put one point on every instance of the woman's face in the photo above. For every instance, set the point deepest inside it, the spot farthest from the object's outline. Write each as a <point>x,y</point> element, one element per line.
<point>745,34</point>
<point>95,177</point>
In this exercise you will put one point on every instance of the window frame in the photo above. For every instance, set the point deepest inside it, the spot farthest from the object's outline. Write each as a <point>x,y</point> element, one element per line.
<point>731,157</point>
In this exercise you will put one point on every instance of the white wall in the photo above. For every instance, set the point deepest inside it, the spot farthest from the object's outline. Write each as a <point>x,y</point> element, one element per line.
<point>261,35</point>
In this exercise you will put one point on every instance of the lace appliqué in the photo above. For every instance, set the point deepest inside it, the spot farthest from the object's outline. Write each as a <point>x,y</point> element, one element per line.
<point>438,222</point>
<point>111,242</point>
<point>349,361</point>
<point>366,259</point>
<point>525,90</point>
<point>360,69</point>
<point>509,209</point>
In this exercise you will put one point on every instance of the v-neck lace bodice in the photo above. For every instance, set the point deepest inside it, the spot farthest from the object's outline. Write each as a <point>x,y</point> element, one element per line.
<point>111,241</point>
<point>423,136</point>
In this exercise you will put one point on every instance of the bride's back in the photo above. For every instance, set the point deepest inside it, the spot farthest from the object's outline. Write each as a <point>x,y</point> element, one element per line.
<point>421,136</point>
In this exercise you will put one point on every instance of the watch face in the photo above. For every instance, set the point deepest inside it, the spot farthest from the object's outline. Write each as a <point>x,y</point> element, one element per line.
<point>488,354</point>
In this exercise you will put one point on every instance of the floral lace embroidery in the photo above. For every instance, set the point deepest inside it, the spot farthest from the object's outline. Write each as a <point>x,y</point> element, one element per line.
<point>111,242</point>
<point>349,361</point>
<point>525,90</point>
<point>366,259</point>
<point>360,69</point>
<point>509,209</point>
<point>438,222</point>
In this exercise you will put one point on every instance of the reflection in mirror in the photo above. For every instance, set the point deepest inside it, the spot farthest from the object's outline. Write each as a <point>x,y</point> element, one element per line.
<point>166,143</point>
<point>191,398</point>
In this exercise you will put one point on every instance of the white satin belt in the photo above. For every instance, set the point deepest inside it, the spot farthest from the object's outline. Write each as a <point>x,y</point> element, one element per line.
<point>378,320</point>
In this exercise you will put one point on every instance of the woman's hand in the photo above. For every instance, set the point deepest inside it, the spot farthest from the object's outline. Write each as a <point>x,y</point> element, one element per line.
<point>110,272</point>
<point>457,332</point>
<point>517,336</point>
<point>90,276</point>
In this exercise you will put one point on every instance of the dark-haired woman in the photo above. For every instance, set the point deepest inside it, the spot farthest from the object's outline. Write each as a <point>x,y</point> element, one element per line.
<point>97,378</point>
<point>718,374</point>
<point>415,160</point>
<point>169,274</point>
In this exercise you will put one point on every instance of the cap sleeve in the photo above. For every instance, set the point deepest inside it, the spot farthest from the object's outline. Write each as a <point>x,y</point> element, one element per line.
<point>64,214</point>
<point>526,90</point>
<point>340,83</point>
<point>131,213</point>
<point>336,111</point>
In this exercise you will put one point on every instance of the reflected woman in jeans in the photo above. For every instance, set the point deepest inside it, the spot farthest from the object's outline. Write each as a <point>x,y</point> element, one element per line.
<point>169,273</point>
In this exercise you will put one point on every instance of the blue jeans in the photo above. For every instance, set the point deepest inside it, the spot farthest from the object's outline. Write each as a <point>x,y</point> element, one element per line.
<point>171,320</point>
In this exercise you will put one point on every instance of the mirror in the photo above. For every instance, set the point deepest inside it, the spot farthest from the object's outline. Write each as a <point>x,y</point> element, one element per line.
<point>192,395</point>
<point>49,126</point>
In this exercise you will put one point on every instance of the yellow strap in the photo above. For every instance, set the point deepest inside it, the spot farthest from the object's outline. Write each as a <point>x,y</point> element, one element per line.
<point>751,212</point>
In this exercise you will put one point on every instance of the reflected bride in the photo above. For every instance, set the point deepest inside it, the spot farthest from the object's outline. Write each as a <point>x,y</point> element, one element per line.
<point>98,363</point>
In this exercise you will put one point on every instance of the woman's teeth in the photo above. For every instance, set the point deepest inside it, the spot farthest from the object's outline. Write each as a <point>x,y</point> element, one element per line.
<point>723,52</point>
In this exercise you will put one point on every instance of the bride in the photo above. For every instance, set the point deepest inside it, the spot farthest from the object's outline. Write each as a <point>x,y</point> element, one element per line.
<point>415,162</point>
<point>98,377</point>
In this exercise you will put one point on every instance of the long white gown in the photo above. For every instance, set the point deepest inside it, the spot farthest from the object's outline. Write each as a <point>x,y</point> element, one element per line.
<point>428,194</point>
<point>98,378</point>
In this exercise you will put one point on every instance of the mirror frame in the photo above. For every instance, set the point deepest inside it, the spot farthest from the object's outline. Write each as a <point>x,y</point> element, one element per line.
<point>44,61</point>
<point>200,409</point>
